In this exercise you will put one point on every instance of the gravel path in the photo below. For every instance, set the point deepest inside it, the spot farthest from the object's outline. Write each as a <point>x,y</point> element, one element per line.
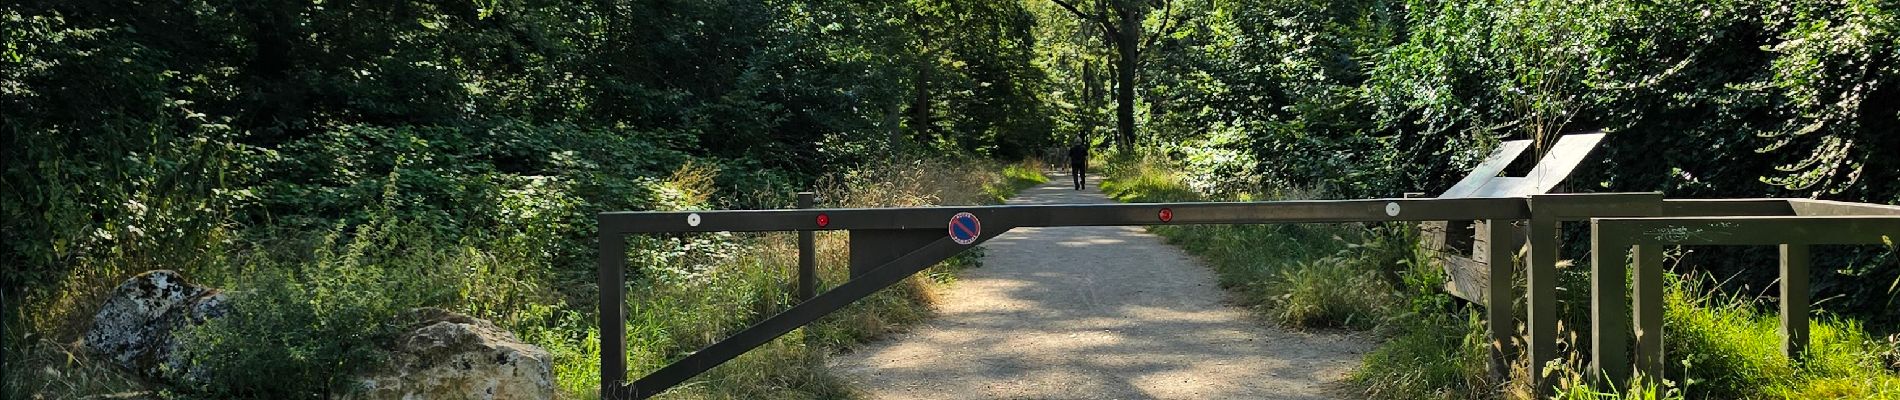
<point>1095,313</point>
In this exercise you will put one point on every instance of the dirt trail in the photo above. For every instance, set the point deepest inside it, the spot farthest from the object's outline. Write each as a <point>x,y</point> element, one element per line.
<point>1096,313</point>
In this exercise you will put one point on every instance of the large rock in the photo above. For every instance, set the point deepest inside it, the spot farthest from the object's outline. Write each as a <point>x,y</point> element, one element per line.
<point>134,327</point>
<point>448,356</point>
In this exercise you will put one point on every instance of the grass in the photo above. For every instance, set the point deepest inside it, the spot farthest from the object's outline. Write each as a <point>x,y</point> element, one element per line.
<point>1329,276</point>
<point>685,293</point>
<point>1015,178</point>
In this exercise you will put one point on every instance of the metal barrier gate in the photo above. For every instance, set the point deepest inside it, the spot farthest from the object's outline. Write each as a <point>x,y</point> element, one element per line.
<point>887,245</point>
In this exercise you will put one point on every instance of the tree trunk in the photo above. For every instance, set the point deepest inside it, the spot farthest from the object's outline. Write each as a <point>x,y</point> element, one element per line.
<point>1128,47</point>
<point>894,117</point>
<point>1091,99</point>
<point>920,103</point>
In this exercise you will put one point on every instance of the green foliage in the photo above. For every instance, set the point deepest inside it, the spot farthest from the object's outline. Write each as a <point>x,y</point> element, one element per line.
<point>210,138</point>
<point>1325,275</point>
<point>1016,177</point>
<point>1327,293</point>
<point>1729,349</point>
<point>1639,388</point>
<point>1428,356</point>
<point>301,330</point>
<point>1144,178</point>
<point>1374,98</point>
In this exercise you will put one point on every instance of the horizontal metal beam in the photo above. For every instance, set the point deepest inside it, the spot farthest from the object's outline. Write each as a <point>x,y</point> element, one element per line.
<point>1373,210</point>
<point>1756,231</point>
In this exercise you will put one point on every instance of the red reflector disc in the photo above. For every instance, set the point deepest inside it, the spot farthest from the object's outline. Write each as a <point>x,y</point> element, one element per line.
<point>823,220</point>
<point>1166,215</point>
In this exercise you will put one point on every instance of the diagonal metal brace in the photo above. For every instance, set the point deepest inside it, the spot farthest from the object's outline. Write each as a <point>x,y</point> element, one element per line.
<point>861,286</point>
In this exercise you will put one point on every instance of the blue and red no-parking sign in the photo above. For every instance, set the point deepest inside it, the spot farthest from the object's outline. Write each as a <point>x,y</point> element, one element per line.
<point>965,228</point>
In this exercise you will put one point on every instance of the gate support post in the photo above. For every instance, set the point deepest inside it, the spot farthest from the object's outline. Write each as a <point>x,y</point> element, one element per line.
<point>1542,302</point>
<point>1794,300</point>
<point>1649,311</point>
<point>1609,304</point>
<point>807,255</point>
<point>613,305</point>
<point>1498,315</point>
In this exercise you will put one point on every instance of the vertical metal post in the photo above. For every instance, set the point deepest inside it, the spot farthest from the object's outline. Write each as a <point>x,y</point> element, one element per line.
<point>807,255</point>
<point>613,317</point>
<point>1609,305</point>
<point>1498,315</point>
<point>1542,293</point>
<point>1794,300</point>
<point>1649,311</point>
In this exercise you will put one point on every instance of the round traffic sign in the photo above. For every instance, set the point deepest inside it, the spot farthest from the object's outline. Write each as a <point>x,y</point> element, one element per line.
<point>965,228</point>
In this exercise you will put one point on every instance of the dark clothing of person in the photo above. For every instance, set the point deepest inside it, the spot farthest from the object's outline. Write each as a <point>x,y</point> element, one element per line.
<point>1079,165</point>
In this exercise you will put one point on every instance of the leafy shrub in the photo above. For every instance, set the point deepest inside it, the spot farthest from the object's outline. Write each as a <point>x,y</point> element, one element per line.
<point>302,331</point>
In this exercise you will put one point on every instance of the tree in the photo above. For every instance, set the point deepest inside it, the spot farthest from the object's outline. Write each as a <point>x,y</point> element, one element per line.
<point>1122,27</point>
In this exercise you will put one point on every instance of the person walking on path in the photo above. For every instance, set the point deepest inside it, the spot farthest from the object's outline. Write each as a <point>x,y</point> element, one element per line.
<point>1079,163</point>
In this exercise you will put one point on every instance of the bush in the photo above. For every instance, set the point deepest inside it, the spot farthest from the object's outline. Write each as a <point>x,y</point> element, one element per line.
<point>301,330</point>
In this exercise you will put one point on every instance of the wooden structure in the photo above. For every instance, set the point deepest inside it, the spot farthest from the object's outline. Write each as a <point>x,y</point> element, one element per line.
<point>890,244</point>
<point>1464,247</point>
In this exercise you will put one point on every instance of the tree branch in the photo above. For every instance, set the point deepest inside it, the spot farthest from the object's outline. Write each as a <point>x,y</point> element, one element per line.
<point>1106,26</point>
<point>1167,26</point>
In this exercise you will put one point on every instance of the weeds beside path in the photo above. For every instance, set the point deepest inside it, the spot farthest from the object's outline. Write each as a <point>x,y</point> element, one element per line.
<point>1095,312</point>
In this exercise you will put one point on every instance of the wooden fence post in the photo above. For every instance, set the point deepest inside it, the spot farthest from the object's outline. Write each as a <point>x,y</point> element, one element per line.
<point>1649,311</point>
<point>1542,293</point>
<point>1794,300</point>
<point>1609,305</point>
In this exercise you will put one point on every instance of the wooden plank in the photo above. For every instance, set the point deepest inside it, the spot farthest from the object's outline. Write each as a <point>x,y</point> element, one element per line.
<point>1512,238</point>
<point>1648,299</point>
<point>1562,158</point>
<point>1794,300</point>
<point>1487,169</point>
<point>1509,186</point>
<point>1470,278</point>
<point>1805,207</point>
<point>1609,305</point>
<point>1431,235</point>
<point>1466,278</point>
